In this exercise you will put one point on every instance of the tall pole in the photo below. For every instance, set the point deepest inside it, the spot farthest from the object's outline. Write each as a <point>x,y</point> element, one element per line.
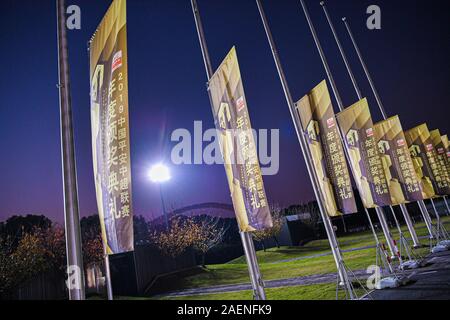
<point>420,203</point>
<point>163,205</point>
<point>379,211</point>
<point>246,237</point>
<point>109,290</point>
<point>405,212</point>
<point>71,215</point>
<point>309,164</point>
<point>446,205</point>
<point>427,219</point>
<point>440,228</point>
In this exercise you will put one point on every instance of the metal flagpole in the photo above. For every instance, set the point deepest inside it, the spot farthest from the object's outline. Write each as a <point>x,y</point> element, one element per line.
<point>71,215</point>
<point>309,164</point>
<point>427,219</point>
<point>246,237</point>
<point>378,210</point>
<point>446,205</point>
<point>109,290</point>
<point>405,212</point>
<point>442,233</point>
<point>420,203</point>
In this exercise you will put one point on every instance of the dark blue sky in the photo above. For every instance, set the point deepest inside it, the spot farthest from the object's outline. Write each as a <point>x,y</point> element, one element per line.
<point>409,60</point>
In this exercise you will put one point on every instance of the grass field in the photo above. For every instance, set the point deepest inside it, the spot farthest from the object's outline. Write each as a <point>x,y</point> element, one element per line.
<point>311,292</point>
<point>273,267</point>
<point>290,262</point>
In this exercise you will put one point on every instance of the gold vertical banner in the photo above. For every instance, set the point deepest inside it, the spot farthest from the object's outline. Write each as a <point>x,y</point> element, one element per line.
<point>359,135</point>
<point>441,157</point>
<point>446,144</point>
<point>238,146</point>
<point>110,129</point>
<point>424,157</point>
<point>318,123</point>
<point>398,166</point>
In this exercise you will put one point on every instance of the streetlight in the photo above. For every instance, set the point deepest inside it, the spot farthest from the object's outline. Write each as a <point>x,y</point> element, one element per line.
<point>159,173</point>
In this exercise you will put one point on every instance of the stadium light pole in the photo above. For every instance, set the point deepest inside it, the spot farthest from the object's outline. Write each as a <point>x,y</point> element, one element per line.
<point>160,173</point>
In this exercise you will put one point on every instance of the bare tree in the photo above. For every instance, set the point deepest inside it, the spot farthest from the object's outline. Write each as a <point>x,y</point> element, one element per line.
<point>208,232</point>
<point>312,210</point>
<point>271,233</point>
<point>177,238</point>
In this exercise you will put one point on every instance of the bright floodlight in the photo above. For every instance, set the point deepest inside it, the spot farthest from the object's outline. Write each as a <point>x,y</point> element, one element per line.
<point>159,173</point>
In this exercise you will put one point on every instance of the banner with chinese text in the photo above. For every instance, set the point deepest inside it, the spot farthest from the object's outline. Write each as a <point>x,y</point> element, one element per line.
<point>424,158</point>
<point>399,168</point>
<point>238,146</point>
<point>441,154</point>
<point>110,129</point>
<point>446,144</point>
<point>318,123</point>
<point>357,129</point>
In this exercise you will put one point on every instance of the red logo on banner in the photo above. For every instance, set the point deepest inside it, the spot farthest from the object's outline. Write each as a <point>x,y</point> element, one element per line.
<point>240,104</point>
<point>429,147</point>
<point>369,132</point>
<point>400,142</point>
<point>331,123</point>
<point>117,61</point>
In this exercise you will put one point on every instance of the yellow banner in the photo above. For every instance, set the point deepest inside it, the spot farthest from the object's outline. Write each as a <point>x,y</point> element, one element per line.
<point>318,123</point>
<point>238,146</point>
<point>398,166</point>
<point>359,136</point>
<point>441,157</point>
<point>447,151</point>
<point>423,154</point>
<point>110,129</point>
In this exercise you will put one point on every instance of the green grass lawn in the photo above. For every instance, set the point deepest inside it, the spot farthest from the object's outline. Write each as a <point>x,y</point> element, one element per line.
<point>311,292</point>
<point>273,267</point>
<point>235,271</point>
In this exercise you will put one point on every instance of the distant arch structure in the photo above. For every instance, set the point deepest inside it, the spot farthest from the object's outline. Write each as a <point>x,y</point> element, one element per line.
<point>214,209</point>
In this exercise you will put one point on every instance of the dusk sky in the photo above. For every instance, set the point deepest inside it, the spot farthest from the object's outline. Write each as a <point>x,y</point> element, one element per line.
<point>408,58</point>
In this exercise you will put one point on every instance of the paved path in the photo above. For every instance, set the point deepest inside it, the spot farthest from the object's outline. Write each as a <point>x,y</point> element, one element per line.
<point>433,272</point>
<point>428,283</point>
<point>431,282</point>
<point>307,280</point>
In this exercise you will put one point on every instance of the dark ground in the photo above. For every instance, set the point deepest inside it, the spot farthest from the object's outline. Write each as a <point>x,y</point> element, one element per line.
<point>429,283</point>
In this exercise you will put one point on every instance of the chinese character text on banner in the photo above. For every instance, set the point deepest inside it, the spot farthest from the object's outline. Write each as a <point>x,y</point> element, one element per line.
<point>110,129</point>
<point>238,146</point>
<point>318,123</point>
<point>358,132</point>
<point>423,155</point>
<point>400,174</point>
